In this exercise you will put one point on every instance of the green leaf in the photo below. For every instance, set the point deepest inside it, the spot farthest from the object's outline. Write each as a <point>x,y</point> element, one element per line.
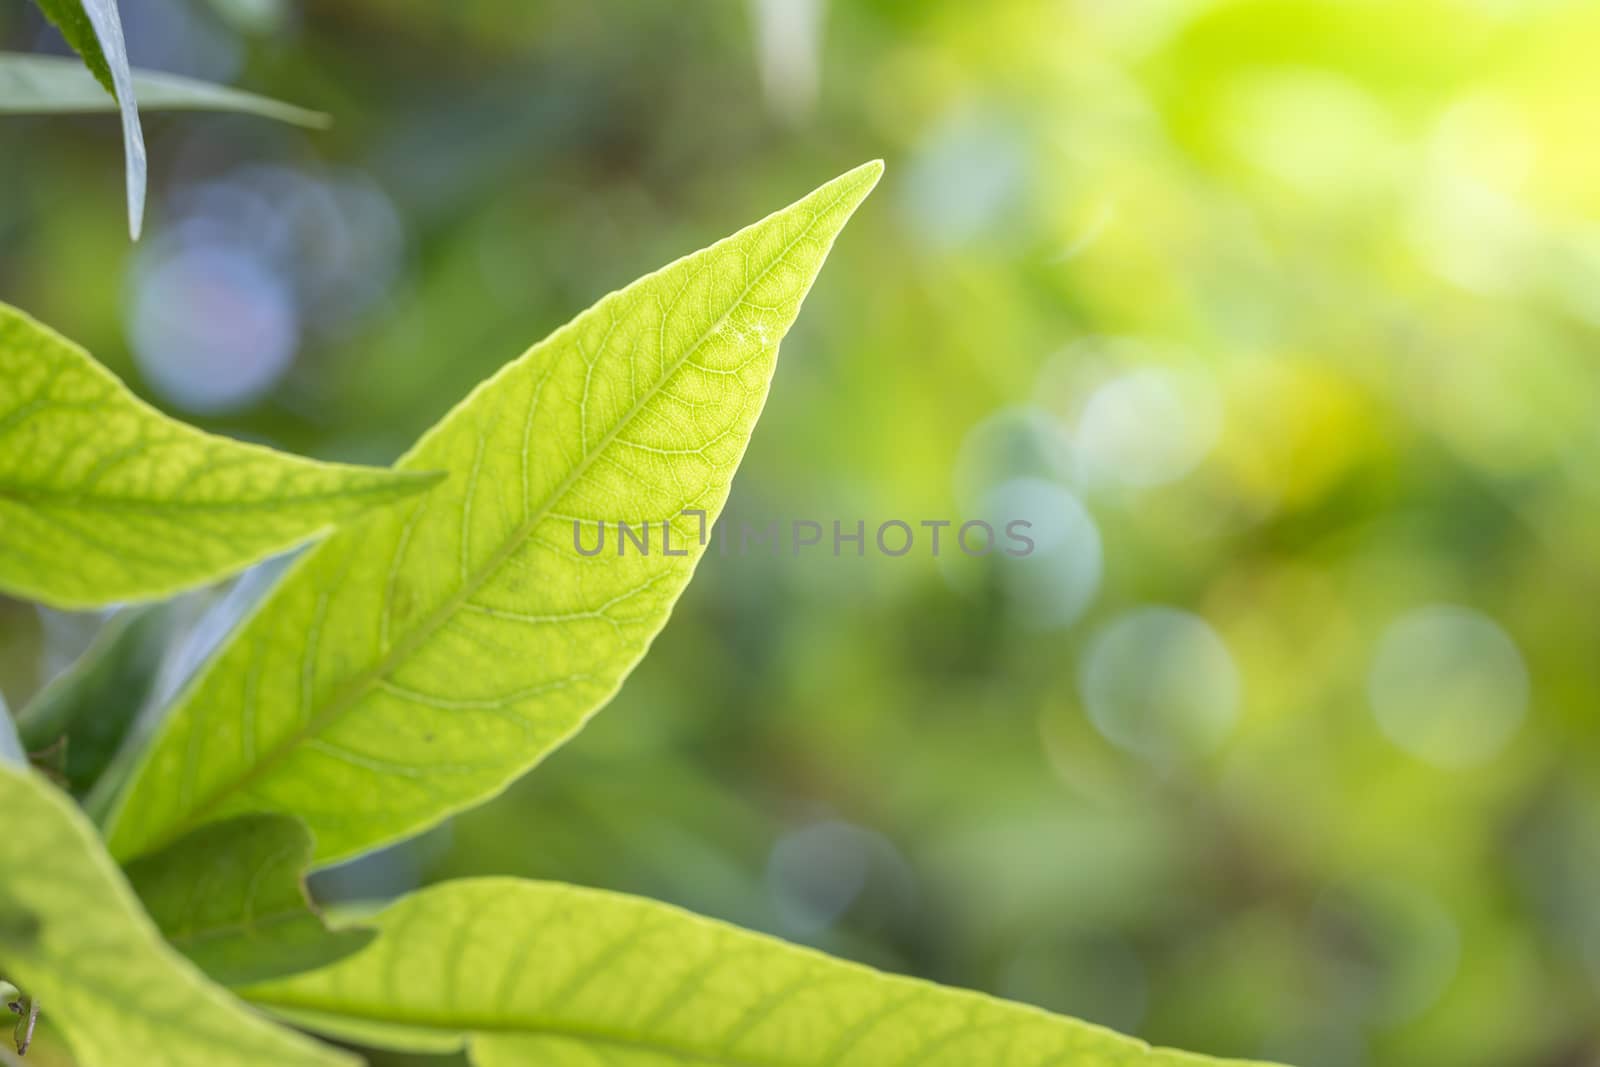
<point>75,938</point>
<point>103,499</point>
<point>73,21</point>
<point>94,30</point>
<point>42,85</point>
<point>92,704</point>
<point>414,665</point>
<point>230,896</point>
<point>535,972</point>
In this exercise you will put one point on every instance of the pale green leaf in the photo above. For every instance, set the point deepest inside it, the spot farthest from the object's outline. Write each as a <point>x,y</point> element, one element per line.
<point>103,499</point>
<point>231,896</point>
<point>539,973</point>
<point>75,939</point>
<point>414,665</point>
<point>94,29</point>
<point>42,85</point>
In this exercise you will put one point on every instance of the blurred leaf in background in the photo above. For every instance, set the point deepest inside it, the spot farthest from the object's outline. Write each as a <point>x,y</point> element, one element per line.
<point>40,85</point>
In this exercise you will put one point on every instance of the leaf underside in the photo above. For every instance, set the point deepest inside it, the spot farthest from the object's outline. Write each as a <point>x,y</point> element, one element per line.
<point>415,664</point>
<point>230,896</point>
<point>103,499</point>
<point>72,935</point>
<point>538,973</point>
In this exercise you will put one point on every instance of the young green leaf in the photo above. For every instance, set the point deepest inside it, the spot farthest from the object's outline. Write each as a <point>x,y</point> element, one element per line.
<point>414,665</point>
<point>103,499</point>
<point>94,30</point>
<point>40,85</point>
<point>90,707</point>
<point>533,972</point>
<point>230,896</point>
<point>75,938</point>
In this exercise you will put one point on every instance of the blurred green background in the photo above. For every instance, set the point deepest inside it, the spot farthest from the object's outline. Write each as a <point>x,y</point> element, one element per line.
<point>1280,318</point>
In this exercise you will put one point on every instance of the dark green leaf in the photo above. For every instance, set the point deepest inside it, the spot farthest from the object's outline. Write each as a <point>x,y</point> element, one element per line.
<point>231,896</point>
<point>90,706</point>
<point>70,18</point>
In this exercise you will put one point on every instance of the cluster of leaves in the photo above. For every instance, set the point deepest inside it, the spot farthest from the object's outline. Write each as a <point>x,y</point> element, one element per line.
<point>435,644</point>
<point>439,642</point>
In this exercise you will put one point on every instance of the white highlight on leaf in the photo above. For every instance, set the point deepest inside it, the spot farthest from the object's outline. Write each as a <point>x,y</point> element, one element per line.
<point>108,28</point>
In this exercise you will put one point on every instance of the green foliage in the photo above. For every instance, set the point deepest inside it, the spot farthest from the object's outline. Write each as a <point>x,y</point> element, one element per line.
<point>1340,255</point>
<point>415,664</point>
<point>405,668</point>
<point>73,937</point>
<point>72,20</point>
<point>230,896</point>
<point>42,85</point>
<point>103,499</point>
<point>531,972</point>
<point>94,30</point>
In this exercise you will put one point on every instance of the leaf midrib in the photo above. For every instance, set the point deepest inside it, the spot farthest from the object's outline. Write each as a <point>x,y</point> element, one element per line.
<point>353,691</point>
<point>531,1029</point>
<point>536,1028</point>
<point>201,935</point>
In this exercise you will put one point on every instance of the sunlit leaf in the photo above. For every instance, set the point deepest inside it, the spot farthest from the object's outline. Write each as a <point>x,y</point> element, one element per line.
<point>41,85</point>
<point>534,972</point>
<point>76,940</point>
<point>103,499</point>
<point>415,665</point>
<point>231,897</point>
<point>94,30</point>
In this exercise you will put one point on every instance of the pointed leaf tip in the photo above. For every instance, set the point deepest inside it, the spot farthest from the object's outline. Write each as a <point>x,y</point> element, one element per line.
<point>544,987</point>
<point>105,500</point>
<point>435,652</point>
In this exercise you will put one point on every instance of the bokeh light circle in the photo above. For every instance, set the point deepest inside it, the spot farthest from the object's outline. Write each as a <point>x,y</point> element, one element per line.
<point>1160,683</point>
<point>1448,685</point>
<point>1054,583</point>
<point>212,326</point>
<point>814,873</point>
<point>1146,428</point>
<point>1014,442</point>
